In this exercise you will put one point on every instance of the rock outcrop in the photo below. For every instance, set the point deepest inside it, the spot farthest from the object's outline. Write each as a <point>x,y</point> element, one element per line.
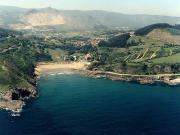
<point>14,99</point>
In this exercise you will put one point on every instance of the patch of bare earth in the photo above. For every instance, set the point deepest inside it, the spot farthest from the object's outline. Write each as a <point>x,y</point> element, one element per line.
<point>160,35</point>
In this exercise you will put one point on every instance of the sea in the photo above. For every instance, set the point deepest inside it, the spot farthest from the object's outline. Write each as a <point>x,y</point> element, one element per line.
<point>71,104</point>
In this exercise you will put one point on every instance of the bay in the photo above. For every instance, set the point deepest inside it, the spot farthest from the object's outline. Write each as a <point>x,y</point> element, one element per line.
<point>77,105</point>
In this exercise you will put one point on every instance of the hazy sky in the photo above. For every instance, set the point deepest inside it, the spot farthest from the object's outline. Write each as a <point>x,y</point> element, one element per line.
<point>157,7</point>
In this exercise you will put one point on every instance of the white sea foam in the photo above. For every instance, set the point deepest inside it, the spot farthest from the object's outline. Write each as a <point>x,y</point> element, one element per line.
<point>15,114</point>
<point>61,73</point>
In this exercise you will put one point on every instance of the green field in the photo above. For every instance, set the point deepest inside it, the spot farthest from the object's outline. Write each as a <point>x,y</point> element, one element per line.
<point>174,59</point>
<point>57,55</point>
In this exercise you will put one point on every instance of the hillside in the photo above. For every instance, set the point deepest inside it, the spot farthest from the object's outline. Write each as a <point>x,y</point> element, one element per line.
<point>153,49</point>
<point>161,32</point>
<point>49,18</point>
<point>18,56</point>
<point>10,15</point>
<point>164,35</point>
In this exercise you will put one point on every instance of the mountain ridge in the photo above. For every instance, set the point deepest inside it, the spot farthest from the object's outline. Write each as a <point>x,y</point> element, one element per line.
<point>21,18</point>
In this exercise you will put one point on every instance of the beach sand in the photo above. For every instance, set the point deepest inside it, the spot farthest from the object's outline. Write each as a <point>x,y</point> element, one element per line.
<point>42,68</point>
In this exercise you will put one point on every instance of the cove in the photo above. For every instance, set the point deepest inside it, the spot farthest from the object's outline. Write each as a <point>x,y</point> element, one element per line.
<point>77,105</point>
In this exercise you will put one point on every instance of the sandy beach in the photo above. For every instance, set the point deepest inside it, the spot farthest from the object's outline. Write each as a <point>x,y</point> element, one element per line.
<point>42,68</point>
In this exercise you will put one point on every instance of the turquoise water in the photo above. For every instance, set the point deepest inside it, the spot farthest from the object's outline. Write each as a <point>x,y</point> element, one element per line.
<point>77,105</point>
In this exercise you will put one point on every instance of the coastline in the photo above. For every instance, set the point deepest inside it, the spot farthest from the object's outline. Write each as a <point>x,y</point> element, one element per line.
<point>14,99</point>
<point>16,106</point>
<point>142,79</point>
<point>81,68</point>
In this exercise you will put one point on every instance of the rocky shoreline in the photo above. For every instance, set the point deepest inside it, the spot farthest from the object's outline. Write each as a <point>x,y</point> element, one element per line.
<point>142,79</point>
<point>15,99</point>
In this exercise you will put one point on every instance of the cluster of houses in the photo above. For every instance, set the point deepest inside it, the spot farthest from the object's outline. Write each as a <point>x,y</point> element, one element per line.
<point>87,57</point>
<point>92,41</point>
<point>76,42</point>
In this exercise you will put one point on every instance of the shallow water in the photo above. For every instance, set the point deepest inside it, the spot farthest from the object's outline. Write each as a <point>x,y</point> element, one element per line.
<point>77,105</point>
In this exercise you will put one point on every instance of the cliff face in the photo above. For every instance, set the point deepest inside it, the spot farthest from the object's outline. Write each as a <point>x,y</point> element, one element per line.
<point>14,99</point>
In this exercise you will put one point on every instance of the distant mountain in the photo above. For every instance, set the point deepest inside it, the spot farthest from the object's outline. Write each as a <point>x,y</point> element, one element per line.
<point>49,18</point>
<point>10,15</point>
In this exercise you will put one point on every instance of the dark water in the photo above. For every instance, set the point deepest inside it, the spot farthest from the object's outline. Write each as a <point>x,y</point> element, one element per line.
<point>76,105</point>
